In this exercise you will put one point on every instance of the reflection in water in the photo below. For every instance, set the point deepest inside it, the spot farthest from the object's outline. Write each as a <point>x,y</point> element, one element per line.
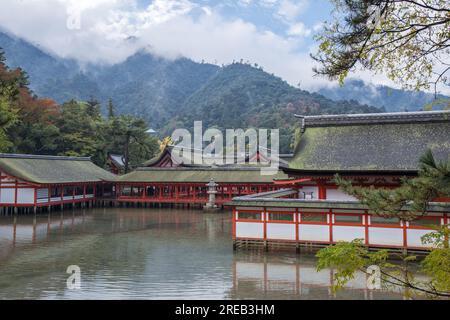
<point>283,276</point>
<point>152,254</point>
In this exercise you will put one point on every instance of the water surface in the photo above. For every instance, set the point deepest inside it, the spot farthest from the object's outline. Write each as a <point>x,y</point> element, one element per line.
<point>153,254</point>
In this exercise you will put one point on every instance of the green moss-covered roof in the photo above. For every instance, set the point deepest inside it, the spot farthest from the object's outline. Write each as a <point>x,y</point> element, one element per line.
<point>52,170</point>
<point>199,175</point>
<point>388,143</point>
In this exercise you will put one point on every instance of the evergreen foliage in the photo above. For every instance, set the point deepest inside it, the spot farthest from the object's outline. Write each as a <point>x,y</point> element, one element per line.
<point>408,202</point>
<point>32,125</point>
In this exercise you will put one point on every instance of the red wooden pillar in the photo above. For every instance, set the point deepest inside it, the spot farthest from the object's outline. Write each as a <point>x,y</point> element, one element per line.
<point>366,227</point>
<point>405,234</point>
<point>234,223</point>
<point>264,216</point>
<point>15,192</point>
<point>330,224</point>
<point>322,192</point>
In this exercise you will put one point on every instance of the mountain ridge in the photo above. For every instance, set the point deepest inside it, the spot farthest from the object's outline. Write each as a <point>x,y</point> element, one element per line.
<point>171,94</point>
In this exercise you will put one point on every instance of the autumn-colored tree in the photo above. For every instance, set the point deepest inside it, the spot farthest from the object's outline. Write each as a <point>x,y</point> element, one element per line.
<point>8,110</point>
<point>32,125</point>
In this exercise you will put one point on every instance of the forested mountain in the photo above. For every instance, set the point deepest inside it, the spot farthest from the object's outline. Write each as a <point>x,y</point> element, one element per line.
<point>159,89</point>
<point>241,96</point>
<point>175,93</point>
<point>383,96</point>
<point>152,87</point>
<point>43,69</point>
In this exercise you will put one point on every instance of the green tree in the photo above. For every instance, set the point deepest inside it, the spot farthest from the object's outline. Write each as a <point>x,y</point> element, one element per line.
<point>128,136</point>
<point>8,117</point>
<point>408,202</point>
<point>411,199</point>
<point>111,109</point>
<point>8,111</point>
<point>93,108</point>
<point>408,40</point>
<point>81,131</point>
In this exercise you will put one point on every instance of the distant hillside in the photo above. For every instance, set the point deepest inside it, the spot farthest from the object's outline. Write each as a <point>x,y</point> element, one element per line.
<point>382,96</point>
<point>175,93</point>
<point>150,86</point>
<point>43,69</point>
<point>241,96</point>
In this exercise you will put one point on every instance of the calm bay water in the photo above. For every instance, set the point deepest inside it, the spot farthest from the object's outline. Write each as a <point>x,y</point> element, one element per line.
<point>153,254</point>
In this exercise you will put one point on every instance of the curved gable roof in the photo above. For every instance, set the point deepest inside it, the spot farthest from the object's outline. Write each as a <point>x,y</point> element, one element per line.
<point>200,175</point>
<point>53,169</point>
<point>371,142</point>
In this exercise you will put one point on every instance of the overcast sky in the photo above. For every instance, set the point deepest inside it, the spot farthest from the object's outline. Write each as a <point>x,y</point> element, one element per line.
<point>276,34</point>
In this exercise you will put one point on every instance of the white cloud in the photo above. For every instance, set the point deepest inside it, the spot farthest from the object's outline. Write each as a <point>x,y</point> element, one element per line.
<point>299,29</point>
<point>245,3</point>
<point>165,26</point>
<point>170,30</point>
<point>290,10</point>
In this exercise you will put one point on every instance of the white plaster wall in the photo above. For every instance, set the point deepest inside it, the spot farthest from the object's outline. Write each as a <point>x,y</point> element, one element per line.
<point>312,232</point>
<point>413,236</point>
<point>347,233</point>
<point>335,194</point>
<point>250,230</point>
<point>281,231</point>
<point>386,236</point>
<point>7,195</point>
<point>25,196</point>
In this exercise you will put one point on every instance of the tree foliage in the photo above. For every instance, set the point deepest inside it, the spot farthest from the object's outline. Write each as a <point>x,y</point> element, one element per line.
<point>241,96</point>
<point>33,125</point>
<point>128,136</point>
<point>349,258</point>
<point>408,202</point>
<point>408,40</point>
